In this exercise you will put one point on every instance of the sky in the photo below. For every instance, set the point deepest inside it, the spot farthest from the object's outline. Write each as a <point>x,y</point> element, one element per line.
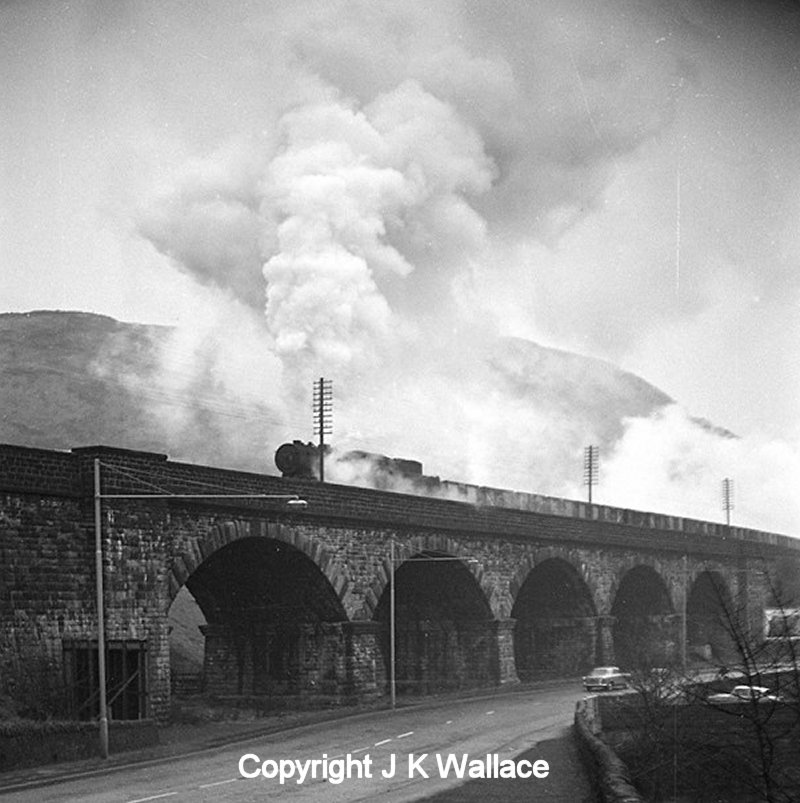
<point>374,190</point>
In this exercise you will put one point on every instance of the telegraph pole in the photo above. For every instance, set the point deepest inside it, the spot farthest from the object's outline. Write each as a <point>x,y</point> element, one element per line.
<point>323,417</point>
<point>727,499</point>
<point>591,458</point>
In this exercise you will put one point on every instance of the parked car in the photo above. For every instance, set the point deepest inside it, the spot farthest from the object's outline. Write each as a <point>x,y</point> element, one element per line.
<point>739,694</point>
<point>606,678</point>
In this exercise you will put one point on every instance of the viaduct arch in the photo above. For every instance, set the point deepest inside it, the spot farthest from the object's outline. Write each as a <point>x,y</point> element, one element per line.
<point>555,619</point>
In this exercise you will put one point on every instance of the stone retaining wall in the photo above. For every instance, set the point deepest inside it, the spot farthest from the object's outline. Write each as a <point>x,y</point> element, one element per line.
<point>609,773</point>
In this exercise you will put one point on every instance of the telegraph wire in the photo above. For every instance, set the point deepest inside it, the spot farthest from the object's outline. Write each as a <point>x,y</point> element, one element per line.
<point>180,480</point>
<point>129,475</point>
<point>228,409</point>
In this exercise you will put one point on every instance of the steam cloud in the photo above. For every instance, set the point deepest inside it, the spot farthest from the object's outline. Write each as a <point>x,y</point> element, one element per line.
<point>343,187</point>
<point>365,235</point>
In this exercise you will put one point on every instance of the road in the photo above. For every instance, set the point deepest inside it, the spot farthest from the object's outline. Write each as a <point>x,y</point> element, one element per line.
<point>376,743</point>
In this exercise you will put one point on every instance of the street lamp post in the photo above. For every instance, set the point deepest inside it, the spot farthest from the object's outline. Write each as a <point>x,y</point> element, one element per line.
<point>393,614</point>
<point>101,630</point>
<point>392,670</point>
<point>291,500</point>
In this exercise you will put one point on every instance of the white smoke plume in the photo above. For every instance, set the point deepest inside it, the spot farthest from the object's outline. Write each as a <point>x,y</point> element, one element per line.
<point>207,220</point>
<point>345,186</point>
<point>665,463</point>
<point>404,205</point>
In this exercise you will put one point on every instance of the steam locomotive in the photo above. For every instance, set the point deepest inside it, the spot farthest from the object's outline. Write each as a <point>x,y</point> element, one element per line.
<point>298,459</point>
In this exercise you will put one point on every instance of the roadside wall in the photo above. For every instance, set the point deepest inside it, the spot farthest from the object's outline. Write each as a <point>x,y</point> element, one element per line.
<point>609,773</point>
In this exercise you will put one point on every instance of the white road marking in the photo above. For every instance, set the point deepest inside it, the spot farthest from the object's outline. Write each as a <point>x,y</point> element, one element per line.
<point>360,750</point>
<point>449,722</point>
<point>378,744</point>
<point>217,783</point>
<point>403,735</point>
<point>489,713</point>
<point>152,797</point>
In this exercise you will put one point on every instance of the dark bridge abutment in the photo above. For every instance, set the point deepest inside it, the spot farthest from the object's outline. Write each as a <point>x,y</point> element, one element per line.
<point>646,629</point>
<point>555,628</point>
<point>710,616</point>
<point>285,664</point>
<point>445,635</point>
<point>276,628</point>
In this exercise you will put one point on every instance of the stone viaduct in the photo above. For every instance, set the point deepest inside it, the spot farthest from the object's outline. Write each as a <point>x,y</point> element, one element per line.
<point>495,588</point>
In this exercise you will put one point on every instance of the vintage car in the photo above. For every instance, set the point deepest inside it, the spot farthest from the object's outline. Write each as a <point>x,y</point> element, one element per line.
<point>745,694</point>
<point>605,678</point>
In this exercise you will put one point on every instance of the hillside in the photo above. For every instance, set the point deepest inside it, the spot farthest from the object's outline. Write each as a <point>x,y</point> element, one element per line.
<point>52,394</point>
<point>74,378</point>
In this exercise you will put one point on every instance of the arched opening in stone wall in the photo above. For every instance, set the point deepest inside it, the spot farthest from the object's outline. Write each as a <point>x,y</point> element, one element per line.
<point>186,644</point>
<point>709,619</point>
<point>646,629</point>
<point>554,634</point>
<point>444,629</point>
<point>274,627</point>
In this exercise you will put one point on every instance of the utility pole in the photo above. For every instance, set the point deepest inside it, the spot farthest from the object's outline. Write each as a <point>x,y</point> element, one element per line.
<point>393,608</point>
<point>101,627</point>
<point>591,458</point>
<point>323,417</point>
<point>392,631</point>
<point>727,499</point>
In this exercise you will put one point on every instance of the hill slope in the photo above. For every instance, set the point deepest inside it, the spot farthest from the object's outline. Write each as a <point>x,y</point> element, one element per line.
<point>74,378</point>
<point>52,394</point>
